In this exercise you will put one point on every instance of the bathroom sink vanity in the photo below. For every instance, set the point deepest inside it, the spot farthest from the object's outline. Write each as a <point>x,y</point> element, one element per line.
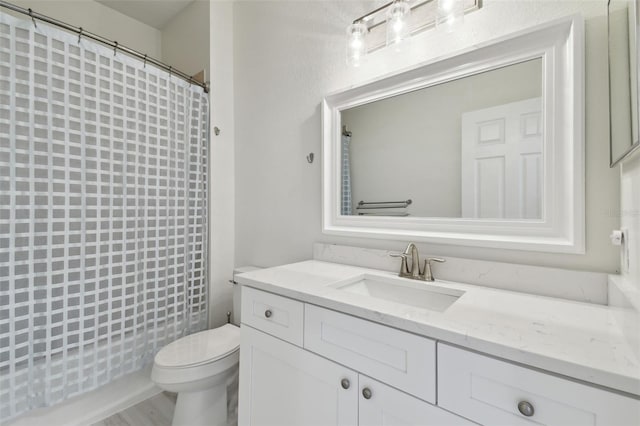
<point>329,344</point>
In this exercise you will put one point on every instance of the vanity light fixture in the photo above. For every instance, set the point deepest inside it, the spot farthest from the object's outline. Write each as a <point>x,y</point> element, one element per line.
<point>398,13</point>
<point>394,22</point>
<point>450,14</point>
<point>356,48</point>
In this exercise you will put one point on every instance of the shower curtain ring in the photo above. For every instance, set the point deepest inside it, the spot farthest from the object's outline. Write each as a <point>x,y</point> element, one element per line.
<point>170,68</point>
<point>115,48</point>
<point>80,34</point>
<point>190,80</point>
<point>32,18</point>
<point>145,61</point>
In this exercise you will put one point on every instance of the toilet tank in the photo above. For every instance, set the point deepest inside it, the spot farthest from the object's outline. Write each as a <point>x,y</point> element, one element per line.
<point>236,291</point>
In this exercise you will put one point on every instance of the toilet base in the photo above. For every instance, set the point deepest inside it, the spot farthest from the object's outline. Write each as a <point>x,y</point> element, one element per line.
<point>202,408</point>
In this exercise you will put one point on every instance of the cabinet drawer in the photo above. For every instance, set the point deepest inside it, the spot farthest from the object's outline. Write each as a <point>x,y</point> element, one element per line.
<point>403,360</point>
<point>489,391</point>
<point>275,315</point>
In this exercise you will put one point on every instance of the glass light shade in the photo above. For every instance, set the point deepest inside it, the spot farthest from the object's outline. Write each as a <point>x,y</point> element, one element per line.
<point>450,14</point>
<point>356,46</point>
<point>397,22</point>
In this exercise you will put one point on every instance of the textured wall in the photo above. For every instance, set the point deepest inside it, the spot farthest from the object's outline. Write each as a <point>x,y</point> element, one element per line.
<point>221,175</point>
<point>630,216</point>
<point>101,20</point>
<point>185,39</point>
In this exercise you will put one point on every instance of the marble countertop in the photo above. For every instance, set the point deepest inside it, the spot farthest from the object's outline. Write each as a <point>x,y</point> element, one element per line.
<point>579,340</point>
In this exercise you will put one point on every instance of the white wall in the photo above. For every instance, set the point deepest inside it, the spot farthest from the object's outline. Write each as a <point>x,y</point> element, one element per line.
<point>288,55</point>
<point>185,39</point>
<point>221,164</point>
<point>410,146</point>
<point>630,215</point>
<point>99,19</point>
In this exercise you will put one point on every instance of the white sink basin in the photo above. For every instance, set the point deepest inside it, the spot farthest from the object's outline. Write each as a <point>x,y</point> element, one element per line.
<point>413,293</point>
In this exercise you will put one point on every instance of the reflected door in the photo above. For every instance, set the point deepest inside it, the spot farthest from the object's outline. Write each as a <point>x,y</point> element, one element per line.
<point>502,161</point>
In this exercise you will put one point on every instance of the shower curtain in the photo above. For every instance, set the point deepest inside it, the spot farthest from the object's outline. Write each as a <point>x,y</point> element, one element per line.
<point>345,209</point>
<point>103,207</point>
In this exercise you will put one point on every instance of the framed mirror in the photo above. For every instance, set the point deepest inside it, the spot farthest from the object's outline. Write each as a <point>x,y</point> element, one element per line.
<point>481,148</point>
<point>624,80</point>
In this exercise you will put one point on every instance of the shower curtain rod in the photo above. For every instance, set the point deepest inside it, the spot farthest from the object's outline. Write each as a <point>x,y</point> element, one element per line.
<point>114,44</point>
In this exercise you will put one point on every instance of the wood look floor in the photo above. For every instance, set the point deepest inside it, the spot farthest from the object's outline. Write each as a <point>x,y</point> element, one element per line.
<point>155,411</point>
<point>158,410</point>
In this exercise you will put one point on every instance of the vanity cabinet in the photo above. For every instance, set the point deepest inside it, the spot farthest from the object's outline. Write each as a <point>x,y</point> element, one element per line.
<point>302,365</point>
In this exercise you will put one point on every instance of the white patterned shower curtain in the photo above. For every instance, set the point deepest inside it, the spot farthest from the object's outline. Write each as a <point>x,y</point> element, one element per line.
<point>103,206</point>
<point>345,174</point>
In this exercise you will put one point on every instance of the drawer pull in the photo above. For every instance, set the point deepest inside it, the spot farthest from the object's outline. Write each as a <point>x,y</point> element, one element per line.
<point>268,313</point>
<point>366,392</point>
<point>345,383</point>
<point>525,408</point>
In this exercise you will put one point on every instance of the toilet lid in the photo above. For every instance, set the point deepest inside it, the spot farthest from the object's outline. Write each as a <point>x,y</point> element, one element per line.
<point>200,348</point>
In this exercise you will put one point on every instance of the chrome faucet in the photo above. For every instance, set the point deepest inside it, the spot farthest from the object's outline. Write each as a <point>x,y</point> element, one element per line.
<point>415,273</point>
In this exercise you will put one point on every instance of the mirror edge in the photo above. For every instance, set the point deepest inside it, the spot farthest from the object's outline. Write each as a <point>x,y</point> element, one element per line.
<point>636,144</point>
<point>567,231</point>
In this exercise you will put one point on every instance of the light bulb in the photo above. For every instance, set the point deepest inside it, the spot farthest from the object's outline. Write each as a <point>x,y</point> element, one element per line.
<point>446,5</point>
<point>397,26</point>
<point>450,14</point>
<point>356,46</point>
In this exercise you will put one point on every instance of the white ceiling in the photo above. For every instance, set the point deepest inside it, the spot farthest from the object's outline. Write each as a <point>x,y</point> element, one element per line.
<point>155,13</point>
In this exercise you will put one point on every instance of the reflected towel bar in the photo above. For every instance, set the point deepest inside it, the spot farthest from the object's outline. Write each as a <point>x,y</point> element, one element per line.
<point>383,214</point>
<point>362,205</point>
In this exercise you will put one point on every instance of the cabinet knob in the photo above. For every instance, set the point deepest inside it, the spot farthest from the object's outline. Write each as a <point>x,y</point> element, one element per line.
<point>268,313</point>
<point>525,408</point>
<point>366,392</point>
<point>345,383</point>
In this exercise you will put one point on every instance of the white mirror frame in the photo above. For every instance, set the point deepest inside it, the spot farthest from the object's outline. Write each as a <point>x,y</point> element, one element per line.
<point>560,44</point>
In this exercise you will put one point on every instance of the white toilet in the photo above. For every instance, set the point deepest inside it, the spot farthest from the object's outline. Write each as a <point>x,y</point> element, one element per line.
<point>199,367</point>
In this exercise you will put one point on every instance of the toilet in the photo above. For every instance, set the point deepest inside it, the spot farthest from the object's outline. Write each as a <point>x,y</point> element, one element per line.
<point>199,368</point>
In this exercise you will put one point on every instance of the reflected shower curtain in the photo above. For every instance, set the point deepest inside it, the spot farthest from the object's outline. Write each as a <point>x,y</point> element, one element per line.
<point>345,174</point>
<point>103,206</point>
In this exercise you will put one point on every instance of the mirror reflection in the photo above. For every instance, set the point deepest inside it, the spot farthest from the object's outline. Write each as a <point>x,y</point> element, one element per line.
<point>467,148</point>
<point>623,76</point>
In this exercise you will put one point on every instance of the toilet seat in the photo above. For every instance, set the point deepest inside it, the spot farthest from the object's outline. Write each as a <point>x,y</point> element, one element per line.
<point>194,359</point>
<point>200,348</point>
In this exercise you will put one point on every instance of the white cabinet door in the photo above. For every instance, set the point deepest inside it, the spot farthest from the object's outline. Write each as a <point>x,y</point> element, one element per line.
<point>387,406</point>
<point>283,385</point>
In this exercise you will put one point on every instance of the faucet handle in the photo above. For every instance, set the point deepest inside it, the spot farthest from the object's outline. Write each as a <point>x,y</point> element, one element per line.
<point>427,274</point>
<point>404,268</point>
<point>402,255</point>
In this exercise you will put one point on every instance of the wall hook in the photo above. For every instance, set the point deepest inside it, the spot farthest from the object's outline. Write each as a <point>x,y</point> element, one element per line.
<point>310,158</point>
<point>216,130</point>
<point>32,18</point>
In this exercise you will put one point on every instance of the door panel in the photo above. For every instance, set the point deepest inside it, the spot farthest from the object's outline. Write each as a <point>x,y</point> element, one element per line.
<point>502,161</point>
